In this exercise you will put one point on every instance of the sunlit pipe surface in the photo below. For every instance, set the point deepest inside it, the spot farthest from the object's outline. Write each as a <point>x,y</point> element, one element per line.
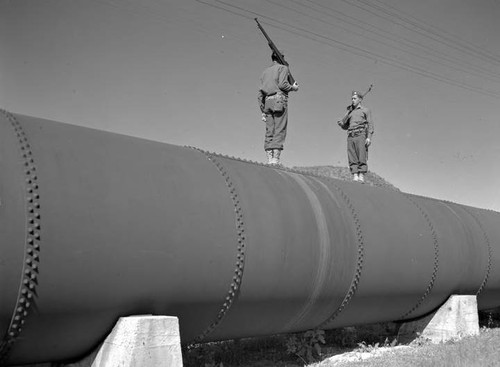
<point>96,225</point>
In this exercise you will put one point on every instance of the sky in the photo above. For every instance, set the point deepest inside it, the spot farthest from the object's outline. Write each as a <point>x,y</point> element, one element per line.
<point>186,72</point>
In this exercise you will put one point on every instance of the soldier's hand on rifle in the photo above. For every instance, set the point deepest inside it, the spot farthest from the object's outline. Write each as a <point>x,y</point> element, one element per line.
<point>263,117</point>
<point>295,86</point>
<point>367,142</point>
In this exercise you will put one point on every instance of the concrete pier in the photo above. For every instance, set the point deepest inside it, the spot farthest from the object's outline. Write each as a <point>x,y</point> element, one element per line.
<point>455,319</point>
<point>152,341</point>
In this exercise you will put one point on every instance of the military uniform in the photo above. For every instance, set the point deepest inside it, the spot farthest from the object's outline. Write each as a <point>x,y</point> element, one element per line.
<point>273,102</point>
<point>359,125</point>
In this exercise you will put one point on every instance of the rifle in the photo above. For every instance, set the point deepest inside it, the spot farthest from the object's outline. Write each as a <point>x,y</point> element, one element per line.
<point>342,122</point>
<point>273,47</point>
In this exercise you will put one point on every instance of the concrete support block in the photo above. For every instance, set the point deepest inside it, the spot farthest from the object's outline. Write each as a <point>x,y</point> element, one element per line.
<point>139,341</point>
<point>456,318</point>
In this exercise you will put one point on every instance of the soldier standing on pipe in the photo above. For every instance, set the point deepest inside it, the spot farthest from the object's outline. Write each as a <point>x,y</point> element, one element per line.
<point>273,103</point>
<point>359,125</point>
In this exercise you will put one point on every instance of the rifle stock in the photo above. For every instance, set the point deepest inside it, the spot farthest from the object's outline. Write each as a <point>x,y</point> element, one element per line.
<point>276,51</point>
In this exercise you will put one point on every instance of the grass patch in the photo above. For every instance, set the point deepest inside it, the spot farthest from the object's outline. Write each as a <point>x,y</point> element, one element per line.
<point>479,351</point>
<point>293,350</point>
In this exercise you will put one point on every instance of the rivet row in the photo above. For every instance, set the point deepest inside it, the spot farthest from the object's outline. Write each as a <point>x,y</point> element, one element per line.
<point>436,258</point>
<point>27,290</point>
<point>240,256</point>
<point>360,258</point>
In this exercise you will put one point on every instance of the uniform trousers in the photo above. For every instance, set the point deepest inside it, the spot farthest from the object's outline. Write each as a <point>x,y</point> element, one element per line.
<point>276,124</point>
<point>357,153</point>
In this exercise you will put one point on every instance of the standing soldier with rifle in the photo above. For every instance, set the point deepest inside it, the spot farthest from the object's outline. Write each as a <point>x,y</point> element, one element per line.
<point>275,83</point>
<point>359,125</point>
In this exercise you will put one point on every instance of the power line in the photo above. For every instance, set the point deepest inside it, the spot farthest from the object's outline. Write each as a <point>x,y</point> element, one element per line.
<point>361,52</point>
<point>425,33</point>
<point>452,65</point>
<point>431,29</point>
<point>409,43</point>
<point>224,9</point>
<point>241,12</point>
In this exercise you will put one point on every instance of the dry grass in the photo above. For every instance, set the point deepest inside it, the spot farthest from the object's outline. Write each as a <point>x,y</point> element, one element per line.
<point>480,351</point>
<point>363,341</point>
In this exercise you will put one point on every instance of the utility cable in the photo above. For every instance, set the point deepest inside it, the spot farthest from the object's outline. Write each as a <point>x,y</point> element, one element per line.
<point>415,54</point>
<point>325,10</point>
<point>364,53</point>
<point>430,29</point>
<point>420,32</point>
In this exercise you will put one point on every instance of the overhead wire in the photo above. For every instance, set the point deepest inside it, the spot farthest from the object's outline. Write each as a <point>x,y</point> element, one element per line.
<point>357,23</point>
<point>383,42</point>
<point>324,39</point>
<point>441,33</point>
<point>419,31</point>
<point>361,52</point>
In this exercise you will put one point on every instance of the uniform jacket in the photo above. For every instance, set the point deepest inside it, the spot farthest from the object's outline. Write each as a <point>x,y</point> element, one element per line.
<point>360,117</point>
<point>273,80</point>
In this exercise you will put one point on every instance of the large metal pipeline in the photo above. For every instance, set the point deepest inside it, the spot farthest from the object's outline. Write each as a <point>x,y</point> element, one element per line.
<point>96,225</point>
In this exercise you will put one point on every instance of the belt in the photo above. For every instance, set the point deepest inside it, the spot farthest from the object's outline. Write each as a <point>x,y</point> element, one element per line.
<point>357,131</point>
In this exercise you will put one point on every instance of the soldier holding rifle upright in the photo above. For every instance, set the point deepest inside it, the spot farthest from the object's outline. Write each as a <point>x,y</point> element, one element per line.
<point>273,102</point>
<point>275,83</point>
<point>359,125</point>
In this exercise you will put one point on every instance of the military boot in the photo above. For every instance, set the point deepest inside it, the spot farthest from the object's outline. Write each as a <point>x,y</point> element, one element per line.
<point>276,156</point>
<point>270,159</point>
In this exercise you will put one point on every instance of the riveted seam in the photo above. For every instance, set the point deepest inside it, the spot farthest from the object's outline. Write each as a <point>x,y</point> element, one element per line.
<point>30,270</point>
<point>436,259</point>
<point>235,285</point>
<point>488,246</point>
<point>359,262</point>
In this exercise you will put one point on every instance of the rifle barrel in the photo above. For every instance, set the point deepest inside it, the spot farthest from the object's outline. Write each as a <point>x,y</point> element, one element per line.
<point>273,47</point>
<point>369,89</point>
